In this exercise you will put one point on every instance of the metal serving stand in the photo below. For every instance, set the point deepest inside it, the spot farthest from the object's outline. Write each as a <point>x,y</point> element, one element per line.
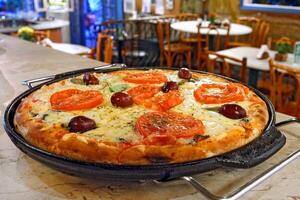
<point>246,187</point>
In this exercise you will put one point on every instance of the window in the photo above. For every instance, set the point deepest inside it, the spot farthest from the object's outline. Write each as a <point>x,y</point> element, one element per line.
<point>283,6</point>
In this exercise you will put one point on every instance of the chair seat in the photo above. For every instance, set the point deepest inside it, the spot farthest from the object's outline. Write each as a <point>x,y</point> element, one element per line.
<point>189,39</point>
<point>177,47</point>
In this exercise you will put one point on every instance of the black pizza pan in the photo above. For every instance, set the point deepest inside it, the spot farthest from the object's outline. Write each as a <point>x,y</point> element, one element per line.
<point>247,156</point>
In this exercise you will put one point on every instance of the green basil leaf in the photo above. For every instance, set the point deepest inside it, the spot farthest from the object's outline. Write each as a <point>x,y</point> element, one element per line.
<point>77,81</point>
<point>214,109</point>
<point>118,88</point>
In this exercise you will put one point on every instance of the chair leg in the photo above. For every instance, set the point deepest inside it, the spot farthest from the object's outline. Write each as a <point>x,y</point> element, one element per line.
<point>189,59</point>
<point>169,60</point>
<point>161,59</point>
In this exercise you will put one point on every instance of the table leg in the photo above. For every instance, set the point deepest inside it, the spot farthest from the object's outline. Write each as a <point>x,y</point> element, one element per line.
<point>253,77</point>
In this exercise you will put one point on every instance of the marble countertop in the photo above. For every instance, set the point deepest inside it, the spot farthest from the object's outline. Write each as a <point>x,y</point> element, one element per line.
<point>43,25</point>
<point>57,23</point>
<point>25,178</point>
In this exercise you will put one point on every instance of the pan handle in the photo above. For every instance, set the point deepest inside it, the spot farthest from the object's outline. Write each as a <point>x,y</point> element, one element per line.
<point>29,82</point>
<point>288,121</point>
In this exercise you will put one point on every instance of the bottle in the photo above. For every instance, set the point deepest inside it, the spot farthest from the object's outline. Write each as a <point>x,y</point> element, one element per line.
<point>297,53</point>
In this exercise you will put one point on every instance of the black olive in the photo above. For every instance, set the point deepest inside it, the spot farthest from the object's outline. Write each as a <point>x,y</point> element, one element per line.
<point>81,124</point>
<point>171,85</point>
<point>90,79</point>
<point>232,111</point>
<point>121,99</point>
<point>184,73</point>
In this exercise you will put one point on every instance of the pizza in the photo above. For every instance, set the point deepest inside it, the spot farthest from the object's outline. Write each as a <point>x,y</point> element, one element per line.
<point>141,117</point>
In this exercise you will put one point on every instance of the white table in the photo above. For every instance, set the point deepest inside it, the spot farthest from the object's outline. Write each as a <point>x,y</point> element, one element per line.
<point>71,48</point>
<point>252,62</point>
<point>192,27</point>
<point>255,65</point>
<point>66,47</point>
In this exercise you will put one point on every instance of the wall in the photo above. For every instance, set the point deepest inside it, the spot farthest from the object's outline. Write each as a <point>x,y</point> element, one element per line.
<point>176,8</point>
<point>280,24</point>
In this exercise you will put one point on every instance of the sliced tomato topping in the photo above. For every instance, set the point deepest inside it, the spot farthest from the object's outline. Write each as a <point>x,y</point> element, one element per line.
<point>150,97</point>
<point>74,99</point>
<point>164,101</point>
<point>164,127</point>
<point>146,78</point>
<point>217,93</point>
<point>142,92</point>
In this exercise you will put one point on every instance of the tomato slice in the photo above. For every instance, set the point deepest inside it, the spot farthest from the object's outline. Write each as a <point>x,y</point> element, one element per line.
<point>146,78</point>
<point>74,99</point>
<point>149,97</point>
<point>163,127</point>
<point>164,101</point>
<point>217,93</point>
<point>142,92</point>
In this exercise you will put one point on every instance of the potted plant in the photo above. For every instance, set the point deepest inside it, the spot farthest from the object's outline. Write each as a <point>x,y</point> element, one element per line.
<point>283,47</point>
<point>212,18</point>
<point>26,33</point>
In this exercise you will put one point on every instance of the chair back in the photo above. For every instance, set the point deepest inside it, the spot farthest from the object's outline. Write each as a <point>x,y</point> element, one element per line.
<point>227,65</point>
<point>281,77</point>
<point>104,48</point>
<point>135,41</point>
<point>211,41</point>
<point>163,35</point>
<point>252,22</point>
<point>186,16</point>
<point>262,36</point>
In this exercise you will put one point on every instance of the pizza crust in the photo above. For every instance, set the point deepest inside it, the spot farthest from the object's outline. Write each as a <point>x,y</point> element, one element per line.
<point>58,140</point>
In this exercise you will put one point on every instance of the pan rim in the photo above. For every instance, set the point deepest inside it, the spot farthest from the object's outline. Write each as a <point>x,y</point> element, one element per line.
<point>10,129</point>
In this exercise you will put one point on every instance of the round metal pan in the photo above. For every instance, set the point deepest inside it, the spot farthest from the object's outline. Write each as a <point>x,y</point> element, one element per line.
<point>250,155</point>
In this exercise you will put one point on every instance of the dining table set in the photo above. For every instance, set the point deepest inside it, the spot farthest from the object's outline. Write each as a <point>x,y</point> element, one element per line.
<point>255,64</point>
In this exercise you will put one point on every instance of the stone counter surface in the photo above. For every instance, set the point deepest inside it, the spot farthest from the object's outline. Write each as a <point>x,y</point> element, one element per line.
<point>24,178</point>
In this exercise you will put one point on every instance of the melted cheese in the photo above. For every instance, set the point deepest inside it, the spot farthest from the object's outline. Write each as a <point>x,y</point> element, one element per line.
<point>118,124</point>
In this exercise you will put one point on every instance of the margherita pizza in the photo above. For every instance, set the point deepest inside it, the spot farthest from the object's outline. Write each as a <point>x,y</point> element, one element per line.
<point>141,116</point>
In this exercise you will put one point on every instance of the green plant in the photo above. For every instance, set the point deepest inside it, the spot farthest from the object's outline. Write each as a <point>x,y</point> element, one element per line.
<point>26,33</point>
<point>212,17</point>
<point>284,45</point>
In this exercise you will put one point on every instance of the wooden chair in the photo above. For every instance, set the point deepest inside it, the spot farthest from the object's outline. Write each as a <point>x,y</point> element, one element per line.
<point>262,36</point>
<point>264,81</point>
<point>187,37</point>
<point>283,100</point>
<point>104,48</point>
<point>250,40</point>
<point>169,51</point>
<point>228,66</point>
<point>212,41</point>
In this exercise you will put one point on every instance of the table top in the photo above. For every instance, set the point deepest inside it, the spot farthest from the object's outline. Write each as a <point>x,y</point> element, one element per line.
<point>25,178</point>
<point>191,27</point>
<point>71,48</point>
<point>43,25</point>
<point>251,54</point>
